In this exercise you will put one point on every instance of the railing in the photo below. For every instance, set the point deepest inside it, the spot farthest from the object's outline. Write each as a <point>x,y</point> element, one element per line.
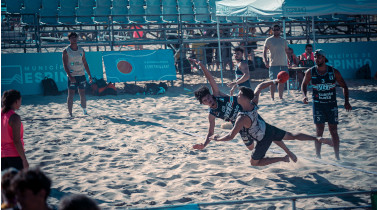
<point>293,200</point>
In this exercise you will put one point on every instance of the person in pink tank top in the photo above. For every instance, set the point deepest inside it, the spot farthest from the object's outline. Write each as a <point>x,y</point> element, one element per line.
<point>12,143</point>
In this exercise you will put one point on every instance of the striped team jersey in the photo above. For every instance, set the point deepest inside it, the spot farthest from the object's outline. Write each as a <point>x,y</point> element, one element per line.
<point>324,91</point>
<point>227,108</point>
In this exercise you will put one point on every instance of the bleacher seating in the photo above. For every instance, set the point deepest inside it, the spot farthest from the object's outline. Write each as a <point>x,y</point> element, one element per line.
<point>49,12</point>
<point>67,11</point>
<point>153,11</point>
<point>30,11</point>
<point>84,12</point>
<point>13,6</point>
<point>137,11</point>
<point>169,11</point>
<point>120,11</point>
<point>201,11</point>
<point>185,8</point>
<point>102,11</point>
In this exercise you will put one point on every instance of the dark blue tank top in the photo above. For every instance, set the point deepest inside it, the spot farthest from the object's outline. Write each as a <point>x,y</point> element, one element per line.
<point>239,74</point>
<point>324,91</point>
<point>227,108</point>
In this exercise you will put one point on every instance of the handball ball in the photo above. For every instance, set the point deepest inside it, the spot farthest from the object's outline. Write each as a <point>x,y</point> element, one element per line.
<point>283,76</point>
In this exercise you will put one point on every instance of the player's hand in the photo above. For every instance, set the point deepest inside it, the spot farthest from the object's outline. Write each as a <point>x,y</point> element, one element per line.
<point>348,106</point>
<point>305,100</point>
<point>232,90</point>
<point>90,79</point>
<point>267,65</point>
<point>198,146</point>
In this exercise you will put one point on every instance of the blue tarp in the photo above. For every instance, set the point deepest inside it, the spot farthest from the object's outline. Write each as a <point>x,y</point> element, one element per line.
<point>139,65</point>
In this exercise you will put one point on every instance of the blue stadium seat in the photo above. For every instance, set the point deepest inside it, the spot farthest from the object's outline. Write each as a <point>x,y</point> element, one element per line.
<point>202,13</point>
<point>84,12</point>
<point>185,8</point>
<point>103,3</point>
<point>14,6</point>
<point>102,11</point>
<point>30,10</point>
<point>67,11</point>
<point>137,11</point>
<point>153,8</point>
<point>169,11</point>
<point>49,12</point>
<point>120,10</point>
<point>84,15</point>
<point>101,14</point>
<point>200,3</point>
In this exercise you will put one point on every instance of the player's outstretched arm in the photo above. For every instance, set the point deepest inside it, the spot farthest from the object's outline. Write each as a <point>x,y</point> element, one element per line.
<point>238,125</point>
<point>260,87</point>
<point>211,80</point>
<point>211,131</point>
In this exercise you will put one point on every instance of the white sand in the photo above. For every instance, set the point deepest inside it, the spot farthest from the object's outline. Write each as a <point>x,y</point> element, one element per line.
<point>125,163</point>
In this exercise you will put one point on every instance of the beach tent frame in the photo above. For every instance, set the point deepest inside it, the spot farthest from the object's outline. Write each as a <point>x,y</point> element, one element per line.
<point>283,9</point>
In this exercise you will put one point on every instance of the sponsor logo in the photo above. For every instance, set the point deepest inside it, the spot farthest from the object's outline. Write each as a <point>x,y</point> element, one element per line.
<point>11,74</point>
<point>295,10</point>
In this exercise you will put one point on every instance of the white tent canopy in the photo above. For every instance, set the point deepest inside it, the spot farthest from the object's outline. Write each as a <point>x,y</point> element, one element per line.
<point>294,8</point>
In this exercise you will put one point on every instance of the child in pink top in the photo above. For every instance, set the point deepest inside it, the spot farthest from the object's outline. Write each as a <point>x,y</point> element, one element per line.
<point>12,144</point>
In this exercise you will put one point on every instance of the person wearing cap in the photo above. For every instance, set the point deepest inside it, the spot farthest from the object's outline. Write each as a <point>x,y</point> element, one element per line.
<point>74,62</point>
<point>278,61</point>
<point>325,109</point>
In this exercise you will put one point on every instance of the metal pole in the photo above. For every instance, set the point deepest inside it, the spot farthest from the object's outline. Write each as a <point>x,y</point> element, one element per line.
<point>218,41</point>
<point>313,32</point>
<point>180,38</point>
<point>293,204</point>
<point>285,38</point>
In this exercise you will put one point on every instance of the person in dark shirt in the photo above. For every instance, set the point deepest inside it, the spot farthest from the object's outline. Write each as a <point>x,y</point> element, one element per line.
<point>325,108</point>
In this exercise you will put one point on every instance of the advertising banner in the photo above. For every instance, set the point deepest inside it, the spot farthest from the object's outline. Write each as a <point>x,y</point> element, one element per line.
<point>25,71</point>
<point>139,65</point>
<point>346,57</point>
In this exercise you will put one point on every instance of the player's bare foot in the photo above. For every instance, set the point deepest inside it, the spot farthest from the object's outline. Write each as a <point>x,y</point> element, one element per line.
<point>292,156</point>
<point>326,141</point>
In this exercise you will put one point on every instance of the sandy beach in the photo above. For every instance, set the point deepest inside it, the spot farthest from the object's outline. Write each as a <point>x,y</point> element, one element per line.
<point>135,151</point>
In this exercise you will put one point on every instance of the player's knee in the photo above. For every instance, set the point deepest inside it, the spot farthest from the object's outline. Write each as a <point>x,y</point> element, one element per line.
<point>289,136</point>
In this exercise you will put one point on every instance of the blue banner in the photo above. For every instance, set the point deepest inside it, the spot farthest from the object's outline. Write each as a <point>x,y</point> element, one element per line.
<point>347,57</point>
<point>139,65</point>
<point>25,71</point>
